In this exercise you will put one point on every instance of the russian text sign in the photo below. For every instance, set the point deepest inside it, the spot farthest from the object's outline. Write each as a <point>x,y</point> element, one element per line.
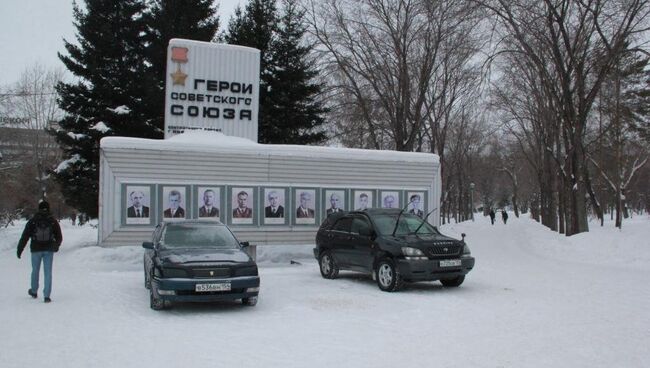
<point>212,87</point>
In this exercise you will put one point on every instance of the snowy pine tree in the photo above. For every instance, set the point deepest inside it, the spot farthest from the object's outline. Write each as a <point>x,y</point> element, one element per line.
<point>167,19</point>
<point>106,96</point>
<point>289,112</point>
<point>293,112</point>
<point>255,27</point>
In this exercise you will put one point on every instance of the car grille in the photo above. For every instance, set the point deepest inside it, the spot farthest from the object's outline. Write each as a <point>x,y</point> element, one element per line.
<point>444,249</point>
<point>210,273</point>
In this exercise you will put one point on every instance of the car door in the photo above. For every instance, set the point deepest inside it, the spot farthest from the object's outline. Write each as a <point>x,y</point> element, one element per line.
<point>338,237</point>
<point>361,246</point>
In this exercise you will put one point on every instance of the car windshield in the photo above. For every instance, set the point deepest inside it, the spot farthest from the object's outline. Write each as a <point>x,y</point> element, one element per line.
<point>181,235</point>
<point>408,224</point>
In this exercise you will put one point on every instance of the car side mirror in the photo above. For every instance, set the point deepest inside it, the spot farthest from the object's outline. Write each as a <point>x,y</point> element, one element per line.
<point>245,244</point>
<point>147,245</point>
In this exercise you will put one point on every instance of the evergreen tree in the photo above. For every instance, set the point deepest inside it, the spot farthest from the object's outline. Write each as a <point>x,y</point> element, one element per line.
<point>167,19</point>
<point>107,96</point>
<point>255,27</point>
<point>294,114</point>
<point>289,111</point>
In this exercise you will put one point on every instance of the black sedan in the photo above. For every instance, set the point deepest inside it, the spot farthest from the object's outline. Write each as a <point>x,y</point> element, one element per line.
<point>198,261</point>
<point>393,246</point>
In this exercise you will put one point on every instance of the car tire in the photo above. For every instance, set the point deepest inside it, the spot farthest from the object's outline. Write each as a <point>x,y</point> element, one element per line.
<point>250,301</point>
<point>147,280</point>
<point>328,268</point>
<point>387,276</point>
<point>156,303</point>
<point>455,282</point>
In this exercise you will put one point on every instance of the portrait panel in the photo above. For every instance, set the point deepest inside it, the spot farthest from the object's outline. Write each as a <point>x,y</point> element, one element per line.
<point>174,200</point>
<point>416,203</point>
<point>242,203</point>
<point>138,204</point>
<point>389,199</point>
<point>208,201</point>
<point>363,199</point>
<point>334,201</point>
<point>305,206</point>
<point>275,206</point>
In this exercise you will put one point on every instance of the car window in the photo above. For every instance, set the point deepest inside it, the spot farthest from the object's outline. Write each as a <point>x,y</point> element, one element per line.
<point>408,224</point>
<point>184,235</point>
<point>343,224</point>
<point>358,223</point>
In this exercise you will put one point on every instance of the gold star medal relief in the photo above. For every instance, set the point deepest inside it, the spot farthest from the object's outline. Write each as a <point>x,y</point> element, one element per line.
<point>179,56</point>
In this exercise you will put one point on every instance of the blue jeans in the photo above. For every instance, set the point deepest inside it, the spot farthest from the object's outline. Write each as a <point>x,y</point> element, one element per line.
<point>47,258</point>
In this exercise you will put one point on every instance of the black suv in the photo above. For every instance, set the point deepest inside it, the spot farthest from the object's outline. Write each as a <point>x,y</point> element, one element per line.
<point>393,245</point>
<point>198,261</point>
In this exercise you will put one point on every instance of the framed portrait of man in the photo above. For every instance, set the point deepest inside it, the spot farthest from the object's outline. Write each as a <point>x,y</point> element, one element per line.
<point>174,202</point>
<point>208,202</point>
<point>390,199</point>
<point>137,204</point>
<point>334,201</point>
<point>243,205</point>
<point>416,203</point>
<point>305,204</point>
<point>363,199</point>
<point>275,205</point>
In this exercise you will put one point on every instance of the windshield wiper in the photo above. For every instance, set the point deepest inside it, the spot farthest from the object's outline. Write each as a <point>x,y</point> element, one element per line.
<point>424,220</point>
<point>398,217</point>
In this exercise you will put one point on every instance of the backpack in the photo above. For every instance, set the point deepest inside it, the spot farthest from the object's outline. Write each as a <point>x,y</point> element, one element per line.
<point>42,230</point>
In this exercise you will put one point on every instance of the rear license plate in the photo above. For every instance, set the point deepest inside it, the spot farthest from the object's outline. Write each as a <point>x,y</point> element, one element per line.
<point>450,263</point>
<point>224,286</point>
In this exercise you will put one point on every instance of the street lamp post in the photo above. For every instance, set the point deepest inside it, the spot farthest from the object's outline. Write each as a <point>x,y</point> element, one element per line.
<point>471,198</point>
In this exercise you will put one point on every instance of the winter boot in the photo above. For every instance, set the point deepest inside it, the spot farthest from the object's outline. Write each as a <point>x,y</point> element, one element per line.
<point>32,293</point>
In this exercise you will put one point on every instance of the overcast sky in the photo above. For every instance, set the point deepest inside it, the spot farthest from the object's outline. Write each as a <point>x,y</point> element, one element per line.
<point>32,31</point>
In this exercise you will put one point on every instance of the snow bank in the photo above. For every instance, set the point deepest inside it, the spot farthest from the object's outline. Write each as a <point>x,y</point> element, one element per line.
<point>205,141</point>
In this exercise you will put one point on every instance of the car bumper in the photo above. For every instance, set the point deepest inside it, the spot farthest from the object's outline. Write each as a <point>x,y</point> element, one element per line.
<point>430,270</point>
<point>183,290</point>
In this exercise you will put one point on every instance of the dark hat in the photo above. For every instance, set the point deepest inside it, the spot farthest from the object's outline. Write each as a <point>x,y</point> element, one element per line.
<point>43,206</point>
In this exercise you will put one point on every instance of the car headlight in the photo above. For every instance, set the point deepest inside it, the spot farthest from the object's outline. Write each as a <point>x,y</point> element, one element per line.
<point>413,254</point>
<point>466,250</point>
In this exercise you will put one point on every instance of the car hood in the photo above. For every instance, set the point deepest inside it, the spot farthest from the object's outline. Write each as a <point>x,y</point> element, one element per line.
<point>423,240</point>
<point>202,255</point>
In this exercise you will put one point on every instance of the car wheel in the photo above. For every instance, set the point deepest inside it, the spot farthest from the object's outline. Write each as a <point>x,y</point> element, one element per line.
<point>147,280</point>
<point>251,301</point>
<point>456,281</point>
<point>328,268</point>
<point>154,302</point>
<point>388,278</point>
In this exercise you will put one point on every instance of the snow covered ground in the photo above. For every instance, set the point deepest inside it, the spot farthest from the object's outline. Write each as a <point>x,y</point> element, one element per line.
<point>534,299</point>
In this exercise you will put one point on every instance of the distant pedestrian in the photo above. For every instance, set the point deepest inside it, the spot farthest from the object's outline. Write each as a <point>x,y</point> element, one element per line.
<point>492,216</point>
<point>504,216</point>
<point>73,218</point>
<point>45,234</point>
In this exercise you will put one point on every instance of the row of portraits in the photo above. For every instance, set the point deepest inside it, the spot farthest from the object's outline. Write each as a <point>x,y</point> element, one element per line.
<point>254,205</point>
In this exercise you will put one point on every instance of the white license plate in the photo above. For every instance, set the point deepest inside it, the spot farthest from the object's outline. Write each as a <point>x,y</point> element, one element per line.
<point>223,286</point>
<point>450,263</point>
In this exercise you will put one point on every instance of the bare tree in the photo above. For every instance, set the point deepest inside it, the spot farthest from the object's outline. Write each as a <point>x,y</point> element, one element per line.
<point>572,45</point>
<point>33,100</point>
<point>386,53</point>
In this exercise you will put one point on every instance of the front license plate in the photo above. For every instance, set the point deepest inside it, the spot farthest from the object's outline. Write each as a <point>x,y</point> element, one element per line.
<point>450,263</point>
<point>223,286</point>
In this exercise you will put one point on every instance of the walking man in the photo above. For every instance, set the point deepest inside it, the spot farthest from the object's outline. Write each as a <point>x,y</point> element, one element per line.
<point>504,216</point>
<point>492,216</point>
<point>45,234</point>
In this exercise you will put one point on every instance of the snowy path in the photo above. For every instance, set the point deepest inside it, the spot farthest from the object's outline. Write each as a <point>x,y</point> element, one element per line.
<point>535,299</point>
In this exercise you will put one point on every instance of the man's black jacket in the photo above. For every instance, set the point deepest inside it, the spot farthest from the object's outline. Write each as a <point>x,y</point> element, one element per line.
<point>36,246</point>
